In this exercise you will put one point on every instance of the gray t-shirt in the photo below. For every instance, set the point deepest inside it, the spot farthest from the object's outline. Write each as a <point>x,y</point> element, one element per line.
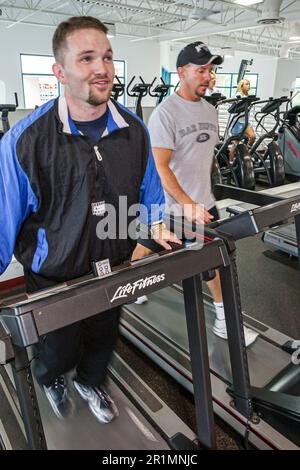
<point>190,129</point>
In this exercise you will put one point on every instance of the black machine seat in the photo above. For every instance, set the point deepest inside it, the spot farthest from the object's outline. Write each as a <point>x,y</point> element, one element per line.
<point>242,104</point>
<point>215,98</point>
<point>7,107</point>
<point>291,115</point>
<point>273,104</point>
<point>292,112</point>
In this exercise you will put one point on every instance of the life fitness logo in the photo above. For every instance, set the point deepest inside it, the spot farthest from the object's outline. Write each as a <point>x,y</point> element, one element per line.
<point>123,292</point>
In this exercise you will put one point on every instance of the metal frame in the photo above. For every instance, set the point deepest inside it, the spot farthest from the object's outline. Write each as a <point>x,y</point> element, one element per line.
<point>275,211</point>
<point>54,308</point>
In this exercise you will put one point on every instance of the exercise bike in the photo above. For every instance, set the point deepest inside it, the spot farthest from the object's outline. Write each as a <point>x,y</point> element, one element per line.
<point>117,89</point>
<point>160,91</point>
<point>5,109</point>
<point>138,91</point>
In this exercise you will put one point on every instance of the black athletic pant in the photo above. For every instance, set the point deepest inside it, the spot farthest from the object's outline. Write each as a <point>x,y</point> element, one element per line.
<point>86,346</point>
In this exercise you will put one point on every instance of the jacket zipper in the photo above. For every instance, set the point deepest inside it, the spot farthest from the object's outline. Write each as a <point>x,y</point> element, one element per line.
<point>98,154</point>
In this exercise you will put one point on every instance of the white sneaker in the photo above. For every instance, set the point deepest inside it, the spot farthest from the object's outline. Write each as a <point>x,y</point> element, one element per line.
<point>141,300</point>
<point>250,336</point>
<point>220,330</point>
<point>100,403</point>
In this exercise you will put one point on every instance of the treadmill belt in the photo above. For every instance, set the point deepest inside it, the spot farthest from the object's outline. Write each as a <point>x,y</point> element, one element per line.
<point>130,431</point>
<point>165,313</point>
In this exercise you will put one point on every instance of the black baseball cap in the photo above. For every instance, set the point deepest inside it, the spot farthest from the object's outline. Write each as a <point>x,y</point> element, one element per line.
<point>197,53</point>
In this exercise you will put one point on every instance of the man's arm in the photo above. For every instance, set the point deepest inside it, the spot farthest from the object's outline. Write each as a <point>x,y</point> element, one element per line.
<point>17,198</point>
<point>192,210</point>
<point>169,181</point>
<point>152,199</point>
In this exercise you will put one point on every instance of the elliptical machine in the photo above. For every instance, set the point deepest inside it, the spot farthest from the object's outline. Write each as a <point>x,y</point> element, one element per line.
<point>215,98</point>
<point>289,142</point>
<point>5,109</point>
<point>271,162</point>
<point>160,91</point>
<point>117,89</point>
<point>216,176</point>
<point>240,172</point>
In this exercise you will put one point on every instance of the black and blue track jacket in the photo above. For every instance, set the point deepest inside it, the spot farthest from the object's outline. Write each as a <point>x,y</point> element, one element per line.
<point>50,174</point>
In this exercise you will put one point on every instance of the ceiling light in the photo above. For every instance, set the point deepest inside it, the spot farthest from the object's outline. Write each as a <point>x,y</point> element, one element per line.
<point>228,52</point>
<point>247,2</point>
<point>111,29</point>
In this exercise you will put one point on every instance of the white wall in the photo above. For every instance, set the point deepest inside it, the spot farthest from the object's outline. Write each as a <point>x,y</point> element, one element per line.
<point>16,40</point>
<point>2,92</point>
<point>142,57</point>
<point>287,72</point>
<point>265,66</point>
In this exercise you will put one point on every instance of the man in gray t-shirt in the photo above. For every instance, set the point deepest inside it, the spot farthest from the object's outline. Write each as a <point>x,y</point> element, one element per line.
<point>184,132</point>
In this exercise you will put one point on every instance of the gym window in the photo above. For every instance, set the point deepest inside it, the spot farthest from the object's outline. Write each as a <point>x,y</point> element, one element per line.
<point>120,71</point>
<point>40,84</point>
<point>227,83</point>
<point>174,79</point>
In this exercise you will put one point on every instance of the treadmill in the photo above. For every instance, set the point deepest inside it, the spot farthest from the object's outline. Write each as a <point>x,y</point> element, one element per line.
<point>284,238</point>
<point>158,328</point>
<point>144,422</point>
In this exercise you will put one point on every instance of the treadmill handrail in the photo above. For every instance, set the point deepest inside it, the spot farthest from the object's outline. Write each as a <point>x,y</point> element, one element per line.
<point>223,191</point>
<point>68,305</point>
<point>57,307</point>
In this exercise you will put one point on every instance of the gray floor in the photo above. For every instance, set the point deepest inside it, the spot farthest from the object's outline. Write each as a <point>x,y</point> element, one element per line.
<point>269,286</point>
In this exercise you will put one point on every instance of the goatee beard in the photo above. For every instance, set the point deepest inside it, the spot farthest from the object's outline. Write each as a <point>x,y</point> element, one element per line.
<point>96,101</point>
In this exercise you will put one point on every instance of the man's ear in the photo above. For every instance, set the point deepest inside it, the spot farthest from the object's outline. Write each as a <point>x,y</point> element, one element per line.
<point>59,72</point>
<point>180,71</point>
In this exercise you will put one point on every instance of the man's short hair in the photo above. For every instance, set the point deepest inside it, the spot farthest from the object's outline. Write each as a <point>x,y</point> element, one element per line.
<point>67,27</point>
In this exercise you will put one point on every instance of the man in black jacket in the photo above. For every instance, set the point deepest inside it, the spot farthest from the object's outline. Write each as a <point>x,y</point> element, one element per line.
<point>61,169</point>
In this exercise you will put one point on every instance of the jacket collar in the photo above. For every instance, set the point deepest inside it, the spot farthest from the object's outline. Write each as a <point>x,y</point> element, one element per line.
<point>115,120</point>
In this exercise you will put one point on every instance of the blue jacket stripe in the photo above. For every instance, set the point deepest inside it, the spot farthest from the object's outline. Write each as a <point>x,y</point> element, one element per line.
<point>111,124</point>
<point>151,193</point>
<point>17,198</point>
<point>41,252</point>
